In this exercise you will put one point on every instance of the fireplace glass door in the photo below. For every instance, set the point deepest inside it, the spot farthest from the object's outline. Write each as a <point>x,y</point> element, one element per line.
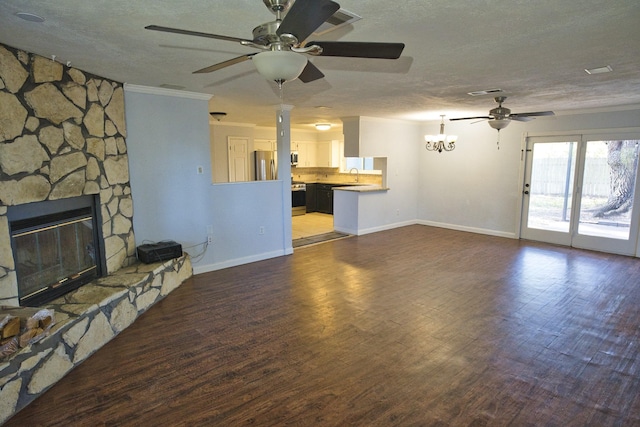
<point>56,252</point>
<point>53,255</point>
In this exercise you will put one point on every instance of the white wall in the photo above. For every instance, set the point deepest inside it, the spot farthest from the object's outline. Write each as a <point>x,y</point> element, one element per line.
<point>477,187</point>
<point>167,139</point>
<point>398,141</point>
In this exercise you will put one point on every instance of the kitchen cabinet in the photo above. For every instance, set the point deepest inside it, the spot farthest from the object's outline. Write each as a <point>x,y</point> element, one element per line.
<point>307,156</point>
<point>265,145</point>
<point>328,154</point>
<point>311,198</point>
<point>324,198</point>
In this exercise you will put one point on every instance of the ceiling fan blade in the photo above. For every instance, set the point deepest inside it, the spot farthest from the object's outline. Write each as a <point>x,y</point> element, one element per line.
<point>196,33</point>
<point>536,114</point>
<point>471,118</point>
<point>224,64</point>
<point>310,73</point>
<point>305,16</point>
<point>521,118</point>
<point>360,49</point>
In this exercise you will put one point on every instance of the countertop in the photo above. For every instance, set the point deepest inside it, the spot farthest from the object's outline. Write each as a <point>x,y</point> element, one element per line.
<point>362,188</point>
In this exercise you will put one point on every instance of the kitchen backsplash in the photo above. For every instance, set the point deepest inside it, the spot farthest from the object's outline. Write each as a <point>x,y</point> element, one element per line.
<point>332,175</point>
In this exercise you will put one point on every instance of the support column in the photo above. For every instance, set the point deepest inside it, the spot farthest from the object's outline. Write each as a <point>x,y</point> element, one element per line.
<point>283,137</point>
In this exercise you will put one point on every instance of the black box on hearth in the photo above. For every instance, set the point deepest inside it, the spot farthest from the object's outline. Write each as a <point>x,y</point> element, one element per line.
<point>161,251</point>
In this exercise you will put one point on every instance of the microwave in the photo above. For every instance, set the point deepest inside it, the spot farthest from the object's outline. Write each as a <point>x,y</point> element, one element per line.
<point>294,158</point>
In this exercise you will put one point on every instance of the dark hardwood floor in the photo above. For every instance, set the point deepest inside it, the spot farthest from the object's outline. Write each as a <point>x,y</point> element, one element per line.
<point>412,326</point>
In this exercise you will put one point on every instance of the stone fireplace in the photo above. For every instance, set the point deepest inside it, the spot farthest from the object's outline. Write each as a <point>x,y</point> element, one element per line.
<point>62,143</point>
<point>62,136</point>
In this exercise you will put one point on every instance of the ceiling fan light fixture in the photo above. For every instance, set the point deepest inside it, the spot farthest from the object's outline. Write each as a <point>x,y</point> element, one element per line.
<point>323,126</point>
<point>499,123</point>
<point>279,65</point>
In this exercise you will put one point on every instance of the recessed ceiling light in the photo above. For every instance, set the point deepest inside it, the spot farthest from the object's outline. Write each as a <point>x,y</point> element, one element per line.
<point>484,92</point>
<point>599,70</point>
<point>29,17</point>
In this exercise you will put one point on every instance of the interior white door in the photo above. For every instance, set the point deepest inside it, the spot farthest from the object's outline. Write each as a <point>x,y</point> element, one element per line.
<point>237,150</point>
<point>580,191</point>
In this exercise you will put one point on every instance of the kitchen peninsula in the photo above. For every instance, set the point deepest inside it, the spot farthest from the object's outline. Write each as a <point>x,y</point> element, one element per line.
<point>356,208</point>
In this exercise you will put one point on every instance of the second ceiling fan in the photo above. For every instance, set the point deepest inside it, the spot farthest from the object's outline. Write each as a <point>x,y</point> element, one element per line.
<point>500,117</point>
<point>282,42</point>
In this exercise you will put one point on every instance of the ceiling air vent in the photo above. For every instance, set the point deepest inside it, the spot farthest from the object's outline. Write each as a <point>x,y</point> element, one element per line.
<point>339,19</point>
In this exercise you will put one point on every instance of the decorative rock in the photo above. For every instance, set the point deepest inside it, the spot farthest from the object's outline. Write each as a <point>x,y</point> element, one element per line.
<point>92,91</point>
<point>9,399</point>
<point>126,206</point>
<point>32,124</point>
<point>105,93</point>
<point>111,146</point>
<point>46,70</point>
<point>91,187</point>
<point>7,291</point>
<point>117,169</point>
<point>76,332</point>
<point>48,103</point>
<point>121,225</point>
<point>94,120</point>
<point>76,93</point>
<point>73,135</point>
<point>110,128</point>
<point>71,186</point>
<point>123,315</point>
<point>115,245</point>
<point>51,371</point>
<point>115,110</point>
<point>77,76</point>
<point>6,258</point>
<point>93,170</point>
<point>96,147</point>
<point>122,146</point>
<point>98,334</point>
<point>11,71</point>
<point>33,188</point>
<point>24,155</point>
<point>63,165</point>
<point>169,282</point>
<point>112,206</point>
<point>52,137</point>
<point>146,300</point>
<point>12,116</point>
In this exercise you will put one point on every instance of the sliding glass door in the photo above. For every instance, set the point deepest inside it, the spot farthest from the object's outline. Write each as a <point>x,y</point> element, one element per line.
<point>580,190</point>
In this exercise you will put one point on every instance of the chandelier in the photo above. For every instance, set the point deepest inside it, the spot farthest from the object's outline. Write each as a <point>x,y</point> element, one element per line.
<point>440,142</point>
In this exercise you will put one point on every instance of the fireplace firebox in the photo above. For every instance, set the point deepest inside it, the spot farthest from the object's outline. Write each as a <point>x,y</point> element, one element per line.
<point>57,247</point>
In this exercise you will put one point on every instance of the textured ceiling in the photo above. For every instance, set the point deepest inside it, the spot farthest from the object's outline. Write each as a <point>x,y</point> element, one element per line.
<point>535,51</point>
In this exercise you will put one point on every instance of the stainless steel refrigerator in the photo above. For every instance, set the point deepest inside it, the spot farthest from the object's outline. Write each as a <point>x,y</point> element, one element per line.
<point>266,166</point>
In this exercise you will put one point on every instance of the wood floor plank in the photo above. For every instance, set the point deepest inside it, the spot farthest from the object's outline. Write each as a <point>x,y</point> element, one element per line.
<point>411,326</point>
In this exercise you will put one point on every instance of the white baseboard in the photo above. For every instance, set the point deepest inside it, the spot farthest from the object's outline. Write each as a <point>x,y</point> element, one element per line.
<point>508,235</point>
<point>199,269</point>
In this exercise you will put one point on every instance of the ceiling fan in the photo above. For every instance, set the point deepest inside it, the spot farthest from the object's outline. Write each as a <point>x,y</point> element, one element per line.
<point>282,42</point>
<point>500,117</point>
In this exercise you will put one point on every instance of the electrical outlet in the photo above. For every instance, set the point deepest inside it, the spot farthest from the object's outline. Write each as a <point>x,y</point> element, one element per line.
<point>199,170</point>
<point>261,230</point>
<point>209,239</point>
<point>397,212</point>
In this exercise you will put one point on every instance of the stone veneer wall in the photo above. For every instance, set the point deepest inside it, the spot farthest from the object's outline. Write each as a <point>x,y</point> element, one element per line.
<point>62,134</point>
